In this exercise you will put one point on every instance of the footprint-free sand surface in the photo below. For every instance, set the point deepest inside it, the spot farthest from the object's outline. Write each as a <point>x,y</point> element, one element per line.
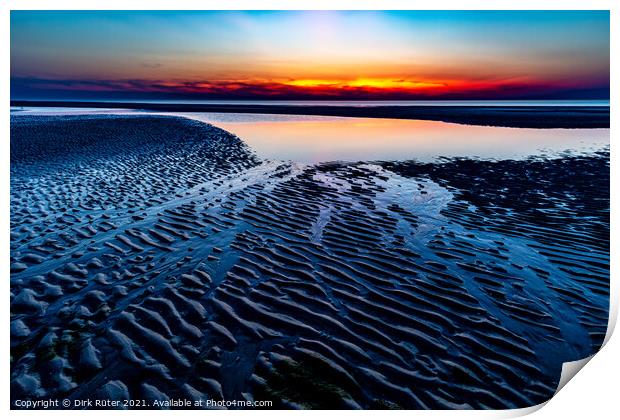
<point>157,258</point>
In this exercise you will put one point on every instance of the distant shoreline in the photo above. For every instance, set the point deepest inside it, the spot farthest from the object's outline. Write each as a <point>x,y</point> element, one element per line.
<point>506,116</point>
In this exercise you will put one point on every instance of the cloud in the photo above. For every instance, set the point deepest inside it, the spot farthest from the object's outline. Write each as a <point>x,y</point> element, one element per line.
<point>150,64</point>
<point>393,89</point>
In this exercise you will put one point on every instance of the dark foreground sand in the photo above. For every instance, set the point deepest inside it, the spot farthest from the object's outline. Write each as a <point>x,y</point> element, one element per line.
<point>157,257</point>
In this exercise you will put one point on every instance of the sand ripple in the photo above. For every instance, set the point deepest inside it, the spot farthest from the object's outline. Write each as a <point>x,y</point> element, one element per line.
<point>157,257</point>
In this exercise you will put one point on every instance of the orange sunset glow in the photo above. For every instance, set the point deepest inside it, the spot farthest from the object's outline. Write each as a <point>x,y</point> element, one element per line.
<point>363,55</point>
<point>369,83</point>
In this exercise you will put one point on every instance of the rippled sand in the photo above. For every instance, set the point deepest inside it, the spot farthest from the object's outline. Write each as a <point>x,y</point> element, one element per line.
<point>157,257</point>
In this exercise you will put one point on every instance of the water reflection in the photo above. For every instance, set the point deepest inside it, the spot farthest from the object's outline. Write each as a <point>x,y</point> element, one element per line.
<point>317,139</point>
<point>312,139</point>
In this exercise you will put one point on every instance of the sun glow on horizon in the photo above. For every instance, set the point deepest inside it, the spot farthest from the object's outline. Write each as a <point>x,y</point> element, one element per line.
<point>310,54</point>
<point>376,83</point>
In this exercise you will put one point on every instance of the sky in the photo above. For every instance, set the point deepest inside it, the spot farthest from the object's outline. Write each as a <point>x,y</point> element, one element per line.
<point>305,55</point>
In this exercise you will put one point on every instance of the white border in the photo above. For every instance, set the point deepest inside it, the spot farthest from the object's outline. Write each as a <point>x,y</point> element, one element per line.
<point>309,4</point>
<point>593,394</point>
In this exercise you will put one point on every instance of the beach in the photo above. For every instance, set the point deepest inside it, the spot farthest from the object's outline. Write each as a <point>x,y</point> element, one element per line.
<point>556,116</point>
<point>158,257</point>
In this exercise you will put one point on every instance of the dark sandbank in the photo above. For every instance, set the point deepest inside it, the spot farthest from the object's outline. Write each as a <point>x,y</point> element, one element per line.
<point>505,116</point>
<point>157,257</point>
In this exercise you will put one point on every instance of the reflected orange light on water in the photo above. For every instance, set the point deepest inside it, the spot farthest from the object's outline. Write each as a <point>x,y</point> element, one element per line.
<point>317,139</point>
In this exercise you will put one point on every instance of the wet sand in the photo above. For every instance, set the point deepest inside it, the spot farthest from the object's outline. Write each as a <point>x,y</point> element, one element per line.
<point>157,257</point>
<point>504,116</point>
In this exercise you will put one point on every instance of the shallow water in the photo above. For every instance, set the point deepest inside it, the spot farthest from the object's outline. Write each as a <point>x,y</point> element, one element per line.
<point>314,139</point>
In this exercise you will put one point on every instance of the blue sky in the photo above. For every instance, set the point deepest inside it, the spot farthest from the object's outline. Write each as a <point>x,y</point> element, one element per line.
<point>323,54</point>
